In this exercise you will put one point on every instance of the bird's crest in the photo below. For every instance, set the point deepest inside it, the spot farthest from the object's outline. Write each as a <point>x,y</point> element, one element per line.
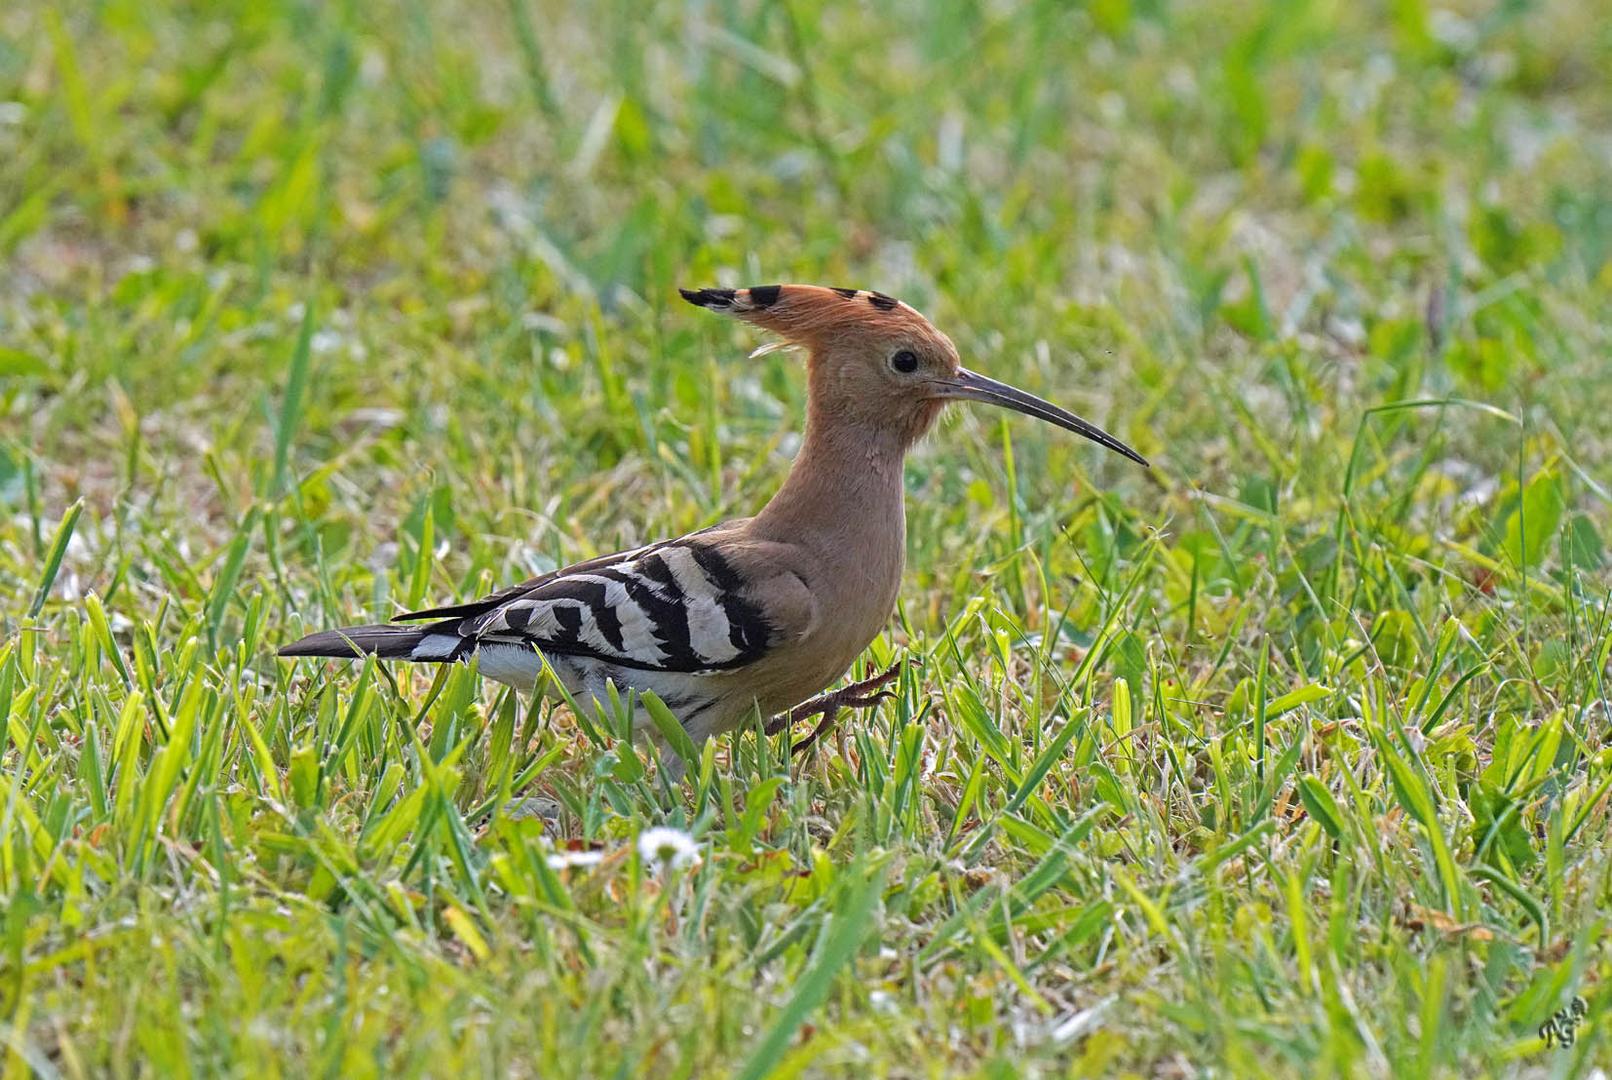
<point>809,315</point>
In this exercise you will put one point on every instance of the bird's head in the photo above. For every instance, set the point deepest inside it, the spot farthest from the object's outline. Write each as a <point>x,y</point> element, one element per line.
<point>877,363</point>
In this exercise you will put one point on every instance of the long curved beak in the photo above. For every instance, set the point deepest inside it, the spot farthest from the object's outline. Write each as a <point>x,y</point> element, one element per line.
<point>970,386</point>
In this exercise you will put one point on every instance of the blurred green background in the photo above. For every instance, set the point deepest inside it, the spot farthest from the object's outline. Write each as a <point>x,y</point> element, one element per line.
<point>1284,756</point>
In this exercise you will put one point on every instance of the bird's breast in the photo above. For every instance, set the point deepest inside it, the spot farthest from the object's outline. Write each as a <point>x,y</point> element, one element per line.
<point>856,595</point>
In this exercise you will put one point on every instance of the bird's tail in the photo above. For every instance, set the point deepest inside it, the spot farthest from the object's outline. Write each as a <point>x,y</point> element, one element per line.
<point>389,641</point>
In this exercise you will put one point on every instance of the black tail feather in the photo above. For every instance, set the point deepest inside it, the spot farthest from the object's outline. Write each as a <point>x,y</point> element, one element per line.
<point>387,641</point>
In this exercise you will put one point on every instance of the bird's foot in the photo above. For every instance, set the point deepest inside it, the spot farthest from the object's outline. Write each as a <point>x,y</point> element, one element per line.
<point>858,695</point>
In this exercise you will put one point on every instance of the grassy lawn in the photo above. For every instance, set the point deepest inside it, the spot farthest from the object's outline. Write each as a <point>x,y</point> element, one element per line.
<point>1286,756</point>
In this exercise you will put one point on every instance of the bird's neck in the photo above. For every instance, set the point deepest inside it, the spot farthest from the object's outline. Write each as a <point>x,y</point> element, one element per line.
<point>843,495</point>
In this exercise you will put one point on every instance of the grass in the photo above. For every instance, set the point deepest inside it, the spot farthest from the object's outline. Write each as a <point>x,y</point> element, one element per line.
<point>1287,756</point>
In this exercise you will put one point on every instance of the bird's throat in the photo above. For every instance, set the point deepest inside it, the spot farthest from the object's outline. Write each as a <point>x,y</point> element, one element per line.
<point>843,492</point>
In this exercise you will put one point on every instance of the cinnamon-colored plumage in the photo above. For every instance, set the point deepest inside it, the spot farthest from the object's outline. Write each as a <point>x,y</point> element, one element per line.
<point>760,611</point>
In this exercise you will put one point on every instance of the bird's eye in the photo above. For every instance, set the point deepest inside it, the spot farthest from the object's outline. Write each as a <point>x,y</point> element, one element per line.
<point>905,361</point>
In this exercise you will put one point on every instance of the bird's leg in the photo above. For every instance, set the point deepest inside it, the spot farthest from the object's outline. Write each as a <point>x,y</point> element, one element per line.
<point>858,695</point>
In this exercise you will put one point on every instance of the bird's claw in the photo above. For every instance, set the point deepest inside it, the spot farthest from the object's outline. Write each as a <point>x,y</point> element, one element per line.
<point>858,695</point>
<point>869,701</point>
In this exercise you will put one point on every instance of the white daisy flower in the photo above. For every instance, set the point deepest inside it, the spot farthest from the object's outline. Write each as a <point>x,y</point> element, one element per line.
<point>669,847</point>
<point>565,860</point>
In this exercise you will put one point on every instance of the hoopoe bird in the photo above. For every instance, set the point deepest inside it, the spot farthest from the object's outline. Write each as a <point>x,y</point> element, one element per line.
<point>760,612</point>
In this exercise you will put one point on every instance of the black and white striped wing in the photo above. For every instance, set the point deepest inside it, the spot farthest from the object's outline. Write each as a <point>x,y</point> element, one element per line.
<point>679,606</point>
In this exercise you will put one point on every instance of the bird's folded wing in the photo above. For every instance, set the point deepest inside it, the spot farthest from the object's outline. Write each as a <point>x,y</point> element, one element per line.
<point>700,604</point>
<point>503,596</point>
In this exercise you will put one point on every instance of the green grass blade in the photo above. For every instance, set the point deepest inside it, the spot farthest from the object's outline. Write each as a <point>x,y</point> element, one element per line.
<point>847,928</point>
<point>54,555</point>
<point>291,402</point>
